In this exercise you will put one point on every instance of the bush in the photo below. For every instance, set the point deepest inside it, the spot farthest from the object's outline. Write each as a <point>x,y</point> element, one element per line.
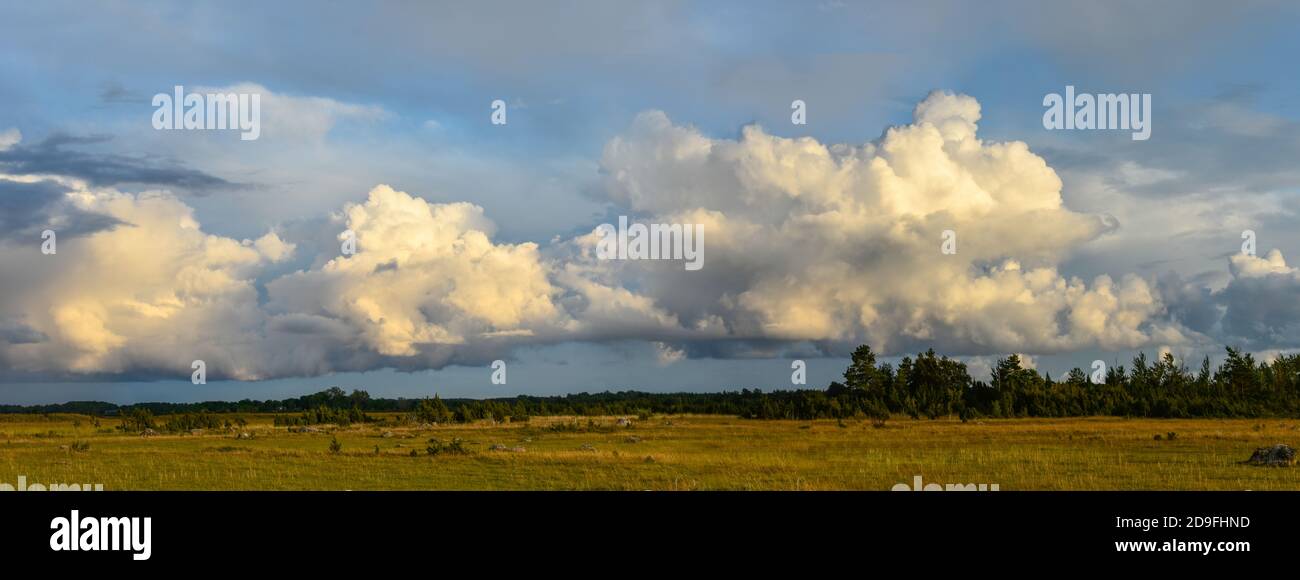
<point>323,415</point>
<point>519,414</point>
<point>191,421</point>
<point>878,413</point>
<point>335,446</point>
<point>137,420</point>
<point>437,447</point>
<point>432,411</point>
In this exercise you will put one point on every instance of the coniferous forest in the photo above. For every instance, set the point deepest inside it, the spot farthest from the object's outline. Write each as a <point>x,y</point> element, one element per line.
<point>925,386</point>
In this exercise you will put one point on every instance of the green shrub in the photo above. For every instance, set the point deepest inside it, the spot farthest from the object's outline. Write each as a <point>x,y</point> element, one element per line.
<point>323,415</point>
<point>191,421</point>
<point>437,447</point>
<point>137,420</point>
<point>877,412</point>
<point>432,411</point>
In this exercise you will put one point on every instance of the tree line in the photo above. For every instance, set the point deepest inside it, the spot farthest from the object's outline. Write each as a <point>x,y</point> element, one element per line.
<point>927,385</point>
<point>933,386</point>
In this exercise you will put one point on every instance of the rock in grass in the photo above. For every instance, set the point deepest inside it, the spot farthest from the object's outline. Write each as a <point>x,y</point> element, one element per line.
<point>500,447</point>
<point>1279,455</point>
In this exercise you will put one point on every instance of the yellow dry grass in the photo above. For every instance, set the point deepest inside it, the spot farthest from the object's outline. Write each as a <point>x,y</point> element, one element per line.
<point>673,453</point>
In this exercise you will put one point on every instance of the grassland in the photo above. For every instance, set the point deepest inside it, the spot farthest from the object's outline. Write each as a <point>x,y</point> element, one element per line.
<point>660,453</point>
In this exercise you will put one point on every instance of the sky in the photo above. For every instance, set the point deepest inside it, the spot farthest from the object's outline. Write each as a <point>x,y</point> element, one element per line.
<point>478,241</point>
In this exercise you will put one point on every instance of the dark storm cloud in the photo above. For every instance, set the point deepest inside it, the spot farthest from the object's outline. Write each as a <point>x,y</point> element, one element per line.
<point>1190,303</point>
<point>763,348</point>
<point>56,155</point>
<point>19,333</point>
<point>26,209</point>
<point>1263,312</point>
<point>1256,312</point>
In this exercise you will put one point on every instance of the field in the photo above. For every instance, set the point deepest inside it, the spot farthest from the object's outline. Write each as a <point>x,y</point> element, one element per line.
<point>658,453</point>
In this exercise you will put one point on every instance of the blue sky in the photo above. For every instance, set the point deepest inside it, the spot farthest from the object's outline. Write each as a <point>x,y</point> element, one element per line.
<point>399,94</point>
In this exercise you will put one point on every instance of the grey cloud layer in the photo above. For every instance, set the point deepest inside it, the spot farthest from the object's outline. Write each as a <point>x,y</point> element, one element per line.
<point>53,156</point>
<point>29,207</point>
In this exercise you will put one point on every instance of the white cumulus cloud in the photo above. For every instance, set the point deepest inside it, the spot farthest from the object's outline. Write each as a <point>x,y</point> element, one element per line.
<point>805,242</point>
<point>841,243</point>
